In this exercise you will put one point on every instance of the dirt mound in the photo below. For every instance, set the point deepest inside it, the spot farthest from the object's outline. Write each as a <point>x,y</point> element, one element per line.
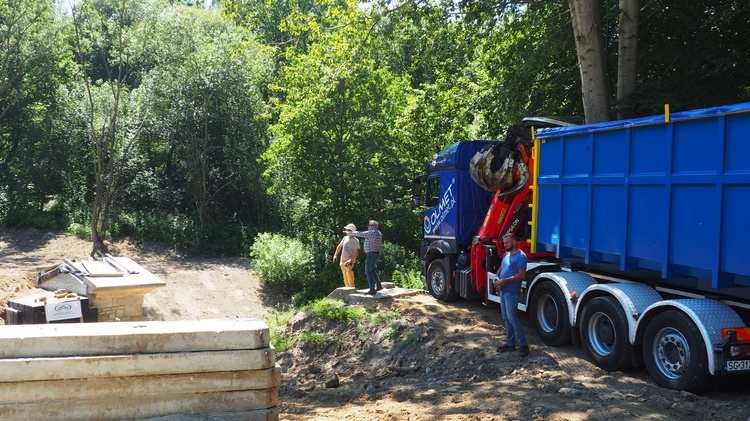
<point>421,360</point>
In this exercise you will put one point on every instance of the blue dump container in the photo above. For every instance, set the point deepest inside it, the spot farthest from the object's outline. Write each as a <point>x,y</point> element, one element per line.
<point>666,201</point>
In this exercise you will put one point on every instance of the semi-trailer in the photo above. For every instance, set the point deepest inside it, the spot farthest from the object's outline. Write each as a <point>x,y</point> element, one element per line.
<point>638,234</point>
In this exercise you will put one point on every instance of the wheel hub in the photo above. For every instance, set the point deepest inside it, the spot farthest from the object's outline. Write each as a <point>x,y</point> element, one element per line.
<point>602,334</point>
<point>438,282</point>
<point>672,353</point>
<point>548,314</point>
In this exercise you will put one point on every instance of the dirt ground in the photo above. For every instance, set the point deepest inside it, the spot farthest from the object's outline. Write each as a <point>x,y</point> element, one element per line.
<point>419,359</point>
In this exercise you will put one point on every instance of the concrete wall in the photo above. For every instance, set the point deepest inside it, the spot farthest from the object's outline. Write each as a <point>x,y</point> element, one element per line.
<point>219,368</point>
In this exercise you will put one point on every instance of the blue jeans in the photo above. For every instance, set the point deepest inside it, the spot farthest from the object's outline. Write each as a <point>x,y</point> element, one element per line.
<point>509,309</point>
<point>372,277</point>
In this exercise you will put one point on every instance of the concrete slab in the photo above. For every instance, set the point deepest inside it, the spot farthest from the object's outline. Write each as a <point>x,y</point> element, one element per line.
<point>386,294</point>
<point>142,406</point>
<point>64,340</point>
<point>269,414</point>
<point>136,386</point>
<point>38,369</point>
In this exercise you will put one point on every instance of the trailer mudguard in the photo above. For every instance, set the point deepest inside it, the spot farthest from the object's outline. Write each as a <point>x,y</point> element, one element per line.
<point>710,316</point>
<point>633,298</point>
<point>570,283</point>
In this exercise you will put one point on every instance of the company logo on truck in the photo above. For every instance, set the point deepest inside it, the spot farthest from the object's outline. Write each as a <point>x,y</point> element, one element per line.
<point>441,211</point>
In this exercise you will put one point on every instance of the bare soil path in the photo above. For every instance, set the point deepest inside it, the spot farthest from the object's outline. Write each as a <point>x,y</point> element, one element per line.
<point>445,355</point>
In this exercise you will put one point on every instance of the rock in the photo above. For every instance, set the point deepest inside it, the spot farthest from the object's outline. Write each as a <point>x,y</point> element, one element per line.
<point>568,391</point>
<point>371,387</point>
<point>691,397</point>
<point>297,321</point>
<point>332,381</point>
<point>314,369</point>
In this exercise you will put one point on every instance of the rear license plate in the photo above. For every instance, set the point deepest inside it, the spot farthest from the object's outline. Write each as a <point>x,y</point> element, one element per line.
<point>741,365</point>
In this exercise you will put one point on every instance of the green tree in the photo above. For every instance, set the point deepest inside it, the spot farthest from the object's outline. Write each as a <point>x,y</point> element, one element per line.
<point>111,37</point>
<point>32,67</point>
<point>206,104</point>
<point>336,152</point>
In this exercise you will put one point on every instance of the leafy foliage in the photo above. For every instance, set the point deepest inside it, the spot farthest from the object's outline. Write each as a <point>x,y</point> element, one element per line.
<point>206,127</point>
<point>282,263</point>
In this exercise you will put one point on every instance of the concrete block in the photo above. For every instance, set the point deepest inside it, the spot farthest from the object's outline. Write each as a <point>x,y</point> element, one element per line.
<point>61,340</point>
<point>270,414</point>
<point>24,392</point>
<point>342,293</point>
<point>142,406</point>
<point>38,369</point>
<point>132,310</point>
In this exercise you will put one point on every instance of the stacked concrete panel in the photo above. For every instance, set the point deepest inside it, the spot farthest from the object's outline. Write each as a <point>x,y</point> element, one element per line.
<point>218,368</point>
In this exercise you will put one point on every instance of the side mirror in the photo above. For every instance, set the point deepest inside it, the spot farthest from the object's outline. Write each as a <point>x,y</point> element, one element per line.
<point>416,198</point>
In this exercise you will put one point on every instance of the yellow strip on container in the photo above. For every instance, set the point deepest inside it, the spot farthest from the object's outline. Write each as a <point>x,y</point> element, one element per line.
<point>535,192</point>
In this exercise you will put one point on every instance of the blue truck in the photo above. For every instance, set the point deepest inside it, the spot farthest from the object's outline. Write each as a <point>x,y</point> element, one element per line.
<point>638,233</point>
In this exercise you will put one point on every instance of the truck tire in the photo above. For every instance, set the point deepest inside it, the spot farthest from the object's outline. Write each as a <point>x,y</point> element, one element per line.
<point>549,312</point>
<point>437,282</point>
<point>604,333</point>
<point>674,353</point>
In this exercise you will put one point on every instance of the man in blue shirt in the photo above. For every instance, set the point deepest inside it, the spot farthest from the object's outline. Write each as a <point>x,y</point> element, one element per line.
<point>512,271</point>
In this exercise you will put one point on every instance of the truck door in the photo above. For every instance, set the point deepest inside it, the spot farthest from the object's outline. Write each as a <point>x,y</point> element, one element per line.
<point>439,216</point>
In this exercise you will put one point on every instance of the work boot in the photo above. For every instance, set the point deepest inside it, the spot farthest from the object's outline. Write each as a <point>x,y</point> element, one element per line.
<point>506,348</point>
<point>523,351</point>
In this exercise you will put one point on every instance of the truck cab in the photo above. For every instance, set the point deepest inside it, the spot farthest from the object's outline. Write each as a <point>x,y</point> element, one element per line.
<point>454,207</point>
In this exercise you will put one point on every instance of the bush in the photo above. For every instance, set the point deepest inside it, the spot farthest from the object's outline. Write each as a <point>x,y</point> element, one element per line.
<point>175,230</point>
<point>407,278</point>
<point>283,263</point>
<point>399,265</point>
<point>327,274</point>
<point>33,218</point>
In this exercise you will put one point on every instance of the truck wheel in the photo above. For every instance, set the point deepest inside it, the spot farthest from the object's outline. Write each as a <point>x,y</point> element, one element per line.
<point>604,333</point>
<point>549,313</point>
<point>674,353</point>
<point>437,282</point>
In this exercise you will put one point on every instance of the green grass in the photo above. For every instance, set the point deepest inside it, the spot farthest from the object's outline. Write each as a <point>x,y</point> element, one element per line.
<point>326,309</point>
<point>383,317</point>
<point>316,340</point>
<point>330,309</point>
<point>392,331</point>
<point>280,339</point>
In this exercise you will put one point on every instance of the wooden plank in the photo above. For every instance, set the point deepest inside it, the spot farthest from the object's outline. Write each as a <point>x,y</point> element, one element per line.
<point>35,369</point>
<point>270,414</point>
<point>136,386</point>
<point>96,269</point>
<point>62,340</point>
<point>142,406</point>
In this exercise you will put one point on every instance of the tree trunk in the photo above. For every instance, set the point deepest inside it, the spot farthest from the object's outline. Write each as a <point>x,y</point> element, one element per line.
<point>626,55</point>
<point>590,49</point>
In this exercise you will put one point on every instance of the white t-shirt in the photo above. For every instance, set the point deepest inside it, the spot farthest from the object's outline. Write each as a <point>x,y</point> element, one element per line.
<point>348,246</point>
